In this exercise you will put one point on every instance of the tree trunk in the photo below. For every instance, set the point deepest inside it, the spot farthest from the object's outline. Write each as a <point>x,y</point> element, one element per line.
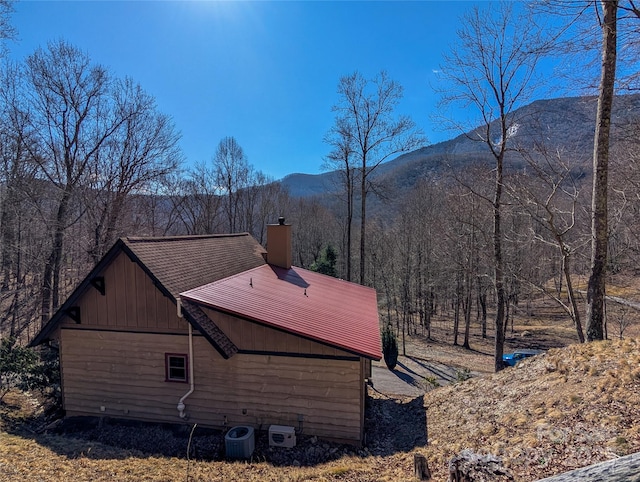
<point>456,312</point>
<point>468,282</point>
<point>429,311</point>
<point>498,268</point>
<point>404,341</point>
<point>482,301</point>
<point>47,288</point>
<point>599,214</point>
<point>467,312</point>
<point>8,242</point>
<point>363,219</point>
<point>51,275</point>
<point>572,297</point>
<point>350,189</point>
<point>421,467</point>
<point>622,469</point>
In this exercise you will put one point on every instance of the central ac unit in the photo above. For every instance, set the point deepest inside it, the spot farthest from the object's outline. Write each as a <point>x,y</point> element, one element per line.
<point>282,436</point>
<point>239,442</point>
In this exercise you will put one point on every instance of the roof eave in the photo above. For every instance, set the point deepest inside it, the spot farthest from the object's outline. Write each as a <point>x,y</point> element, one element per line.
<point>369,356</point>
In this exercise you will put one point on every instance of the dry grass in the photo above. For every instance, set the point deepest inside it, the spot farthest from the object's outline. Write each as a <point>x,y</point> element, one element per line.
<point>568,408</point>
<point>56,458</point>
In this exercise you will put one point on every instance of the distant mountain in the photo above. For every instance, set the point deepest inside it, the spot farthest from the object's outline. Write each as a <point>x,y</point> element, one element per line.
<point>308,185</point>
<point>565,124</point>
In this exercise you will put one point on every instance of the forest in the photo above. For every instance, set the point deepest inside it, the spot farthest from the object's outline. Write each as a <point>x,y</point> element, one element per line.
<point>86,157</point>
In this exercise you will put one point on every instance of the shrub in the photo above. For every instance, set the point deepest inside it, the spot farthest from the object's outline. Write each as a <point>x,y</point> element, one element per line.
<point>23,368</point>
<point>16,365</point>
<point>431,382</point>
<point>45,376</point>
<point>389,347</point>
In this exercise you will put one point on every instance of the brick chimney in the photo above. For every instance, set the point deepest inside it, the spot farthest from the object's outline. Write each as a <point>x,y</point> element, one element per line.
<point>279,244</point>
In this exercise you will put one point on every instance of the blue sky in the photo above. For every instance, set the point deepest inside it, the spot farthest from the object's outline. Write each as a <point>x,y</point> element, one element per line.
<point>263,72</point>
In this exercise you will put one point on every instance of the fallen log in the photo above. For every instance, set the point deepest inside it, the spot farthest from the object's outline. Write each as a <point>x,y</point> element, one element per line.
<point>623,469</point>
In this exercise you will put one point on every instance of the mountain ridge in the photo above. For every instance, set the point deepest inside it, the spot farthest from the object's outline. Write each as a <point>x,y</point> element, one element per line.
<point>564,124</point>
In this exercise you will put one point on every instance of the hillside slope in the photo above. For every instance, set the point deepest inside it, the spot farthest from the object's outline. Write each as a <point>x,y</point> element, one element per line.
<point>568,408</point>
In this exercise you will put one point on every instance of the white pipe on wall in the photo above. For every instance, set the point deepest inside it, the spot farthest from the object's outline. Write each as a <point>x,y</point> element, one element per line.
<point>181,406</point>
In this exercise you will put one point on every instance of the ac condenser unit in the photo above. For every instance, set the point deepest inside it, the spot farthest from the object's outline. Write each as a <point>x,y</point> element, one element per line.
<point>282,436</point>
<point>239,442</point>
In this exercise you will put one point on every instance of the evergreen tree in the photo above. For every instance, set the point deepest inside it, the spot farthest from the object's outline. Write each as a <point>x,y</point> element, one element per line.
<point>326,264</point>
<point>389,347</point>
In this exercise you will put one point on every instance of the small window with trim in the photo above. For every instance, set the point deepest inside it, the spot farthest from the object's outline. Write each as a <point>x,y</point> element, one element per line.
<point>176,366</point>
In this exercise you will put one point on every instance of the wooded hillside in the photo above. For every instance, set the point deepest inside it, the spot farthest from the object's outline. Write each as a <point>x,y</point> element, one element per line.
<point>428,239</point>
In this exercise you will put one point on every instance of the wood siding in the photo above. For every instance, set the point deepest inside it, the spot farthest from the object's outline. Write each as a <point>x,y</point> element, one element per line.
<point>250,336</point>
<point>131,302</point>
<point>122,375</point>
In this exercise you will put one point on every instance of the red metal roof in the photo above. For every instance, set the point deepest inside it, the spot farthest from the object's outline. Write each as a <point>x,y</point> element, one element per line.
<point>319,307</point>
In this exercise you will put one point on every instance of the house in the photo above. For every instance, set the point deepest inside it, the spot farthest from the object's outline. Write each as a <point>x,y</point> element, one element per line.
<point>214,330</point>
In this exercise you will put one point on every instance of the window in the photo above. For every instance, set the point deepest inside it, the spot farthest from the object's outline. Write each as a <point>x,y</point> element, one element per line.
<point>176,366</point>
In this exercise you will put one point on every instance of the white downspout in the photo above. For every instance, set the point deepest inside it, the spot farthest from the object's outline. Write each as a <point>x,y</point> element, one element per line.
<point>181,405</point>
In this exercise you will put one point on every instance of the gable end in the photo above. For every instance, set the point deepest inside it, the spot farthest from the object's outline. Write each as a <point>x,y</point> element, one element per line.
<point>69,305</point>
<point>95,280</point>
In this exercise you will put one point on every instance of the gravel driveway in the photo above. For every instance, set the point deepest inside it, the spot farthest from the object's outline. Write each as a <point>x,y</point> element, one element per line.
<point>411,377</point>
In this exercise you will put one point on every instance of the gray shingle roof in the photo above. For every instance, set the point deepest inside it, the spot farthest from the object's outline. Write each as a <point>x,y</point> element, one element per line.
<point>181,263</point>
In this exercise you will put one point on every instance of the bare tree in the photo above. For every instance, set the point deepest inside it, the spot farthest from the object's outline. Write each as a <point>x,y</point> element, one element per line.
<point>491,69</point>
<point>18,206</point>
<point>140,152</point>
<point>549,194</point>
<point>7,31</point>
<point>16,174</point>
<point>402,240</point>
<point>624,197</point>
<point>600,25</point>
<point>196,201</point>
<point>599,209</point>
<point>425,203</point>
<point>366,122</point>
<point>232,176</point>
<point>73,120</point>
<point>315,226</point>
<point>155,211</point>
<point>341,158</point>
<point>384,253</point>
<point>97,142</point>
<point>248,198</point>
<point>271,200</point>
<point>622,319</point>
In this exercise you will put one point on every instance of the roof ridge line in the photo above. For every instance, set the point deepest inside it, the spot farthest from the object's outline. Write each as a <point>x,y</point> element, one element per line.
<point>211,283</point>
<point>183,237</point>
